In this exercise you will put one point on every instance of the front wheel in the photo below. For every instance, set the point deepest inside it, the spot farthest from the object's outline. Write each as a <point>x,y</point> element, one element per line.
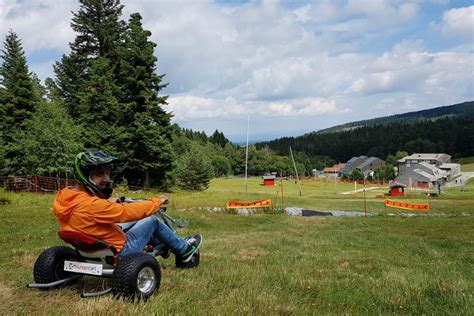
<point>49,267</point>
<point>137,275</point>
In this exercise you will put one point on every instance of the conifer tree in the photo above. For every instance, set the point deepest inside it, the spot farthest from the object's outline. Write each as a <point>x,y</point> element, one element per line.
<point>149,134</point>
<point>18,96</point>
<point>218,138</point>
<point>110,86</point>
<point>99,32</point>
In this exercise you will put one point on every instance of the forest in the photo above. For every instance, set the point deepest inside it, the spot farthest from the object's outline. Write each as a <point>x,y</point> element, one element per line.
<point>455,110</point>
<point>451,135</point>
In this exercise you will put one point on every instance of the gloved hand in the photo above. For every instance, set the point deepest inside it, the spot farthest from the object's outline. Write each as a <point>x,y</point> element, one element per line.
<point>164,199</point>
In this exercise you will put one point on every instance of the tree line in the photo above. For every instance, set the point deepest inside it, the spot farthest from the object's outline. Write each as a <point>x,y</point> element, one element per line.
<point>458,110</point>
<point>451,135</point>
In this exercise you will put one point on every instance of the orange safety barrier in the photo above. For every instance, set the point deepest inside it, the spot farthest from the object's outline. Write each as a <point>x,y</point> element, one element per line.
<point>423,207</point>
<point>238,204</point>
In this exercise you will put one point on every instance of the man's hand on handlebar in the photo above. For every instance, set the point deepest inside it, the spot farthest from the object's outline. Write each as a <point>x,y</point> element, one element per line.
<point>164,199</point>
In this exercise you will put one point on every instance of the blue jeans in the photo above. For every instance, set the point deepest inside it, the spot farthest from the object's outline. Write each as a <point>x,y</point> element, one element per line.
<point>150,230</point>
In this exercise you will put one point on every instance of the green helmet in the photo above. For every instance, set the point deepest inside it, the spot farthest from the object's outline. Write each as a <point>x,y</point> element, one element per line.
<point>85,163</point>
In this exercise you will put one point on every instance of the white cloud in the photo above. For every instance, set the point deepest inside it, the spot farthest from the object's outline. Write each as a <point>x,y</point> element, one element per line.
<point>39,24</point>
<point>406,69</point>
<point>365,14</point>
<point>195,107</point>
<point>459,22</point>
<point>318,107</point>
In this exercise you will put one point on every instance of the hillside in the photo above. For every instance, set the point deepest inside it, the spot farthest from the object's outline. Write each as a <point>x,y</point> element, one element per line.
<point>455,110</point>
<point>448,129</point>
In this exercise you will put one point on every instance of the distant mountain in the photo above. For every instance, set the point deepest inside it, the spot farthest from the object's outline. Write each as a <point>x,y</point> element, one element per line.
<point>456,110</point>
<point>447,129</point>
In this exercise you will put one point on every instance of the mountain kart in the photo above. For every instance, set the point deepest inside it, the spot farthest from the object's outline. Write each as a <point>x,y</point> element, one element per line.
<point>137,275</point>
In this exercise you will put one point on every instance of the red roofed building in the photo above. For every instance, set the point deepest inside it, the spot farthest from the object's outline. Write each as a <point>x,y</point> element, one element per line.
<point>334,170</point>
<point>269,179</point>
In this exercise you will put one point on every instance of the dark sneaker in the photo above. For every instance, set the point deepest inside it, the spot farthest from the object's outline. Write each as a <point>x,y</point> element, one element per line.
<point>193,245</point>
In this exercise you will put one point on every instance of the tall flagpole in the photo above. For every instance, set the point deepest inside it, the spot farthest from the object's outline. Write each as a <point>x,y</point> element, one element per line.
<point>247,152</point>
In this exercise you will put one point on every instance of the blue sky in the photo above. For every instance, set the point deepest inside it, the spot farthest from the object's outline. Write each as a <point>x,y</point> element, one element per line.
<point>293,66</point>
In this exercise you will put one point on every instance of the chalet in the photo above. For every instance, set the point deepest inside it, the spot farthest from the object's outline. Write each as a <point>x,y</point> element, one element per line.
<point>433,159</point>
<point>370,165</point>
<point>353,163</point>
<point>422,175</point>
<point>335,170</point>
<point>364,164</point>
<point>426,170</point>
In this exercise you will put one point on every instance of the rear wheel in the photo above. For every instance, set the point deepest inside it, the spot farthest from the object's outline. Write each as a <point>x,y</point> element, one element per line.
<point>49,267</point>
<point>137,276</point>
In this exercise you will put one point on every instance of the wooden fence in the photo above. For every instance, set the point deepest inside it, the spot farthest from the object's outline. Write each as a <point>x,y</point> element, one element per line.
<point>34,183</point>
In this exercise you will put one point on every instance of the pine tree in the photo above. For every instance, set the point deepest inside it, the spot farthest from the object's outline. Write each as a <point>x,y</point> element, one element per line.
<point>149,134</point>
<point>194,170</point>
<point>18,96</point>
<point>99,31</point>
<point>99,108</point>
<point>218,138</point>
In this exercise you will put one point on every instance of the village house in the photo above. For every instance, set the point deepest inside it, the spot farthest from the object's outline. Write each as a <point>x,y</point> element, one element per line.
<point>370,165</point>
<point>364,164</point>
<point>426,170</point>
<point>433,159</point>
<point>334,171</point>
<point>353,163</point>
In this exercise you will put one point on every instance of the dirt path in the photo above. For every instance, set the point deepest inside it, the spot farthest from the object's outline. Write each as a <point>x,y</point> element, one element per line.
<point>360,190</point>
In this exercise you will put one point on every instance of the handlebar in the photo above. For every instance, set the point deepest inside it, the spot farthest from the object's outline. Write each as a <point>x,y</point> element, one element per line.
<point>162,212</point>
<point>124,199</point>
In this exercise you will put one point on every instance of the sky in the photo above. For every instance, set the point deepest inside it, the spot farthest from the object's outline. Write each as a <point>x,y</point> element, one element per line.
<point>285,68</point>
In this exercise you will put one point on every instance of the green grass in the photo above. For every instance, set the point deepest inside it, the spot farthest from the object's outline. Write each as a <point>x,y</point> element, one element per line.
<point>272,263</point>
<point>465,160</point>
<point>467,167</point>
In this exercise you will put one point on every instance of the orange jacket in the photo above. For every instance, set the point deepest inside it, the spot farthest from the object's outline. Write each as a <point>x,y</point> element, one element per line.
<point>83,212</point>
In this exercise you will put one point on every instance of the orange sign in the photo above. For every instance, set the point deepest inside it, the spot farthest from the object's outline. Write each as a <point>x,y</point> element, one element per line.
<point>238,204</point>
<point>423,207</point>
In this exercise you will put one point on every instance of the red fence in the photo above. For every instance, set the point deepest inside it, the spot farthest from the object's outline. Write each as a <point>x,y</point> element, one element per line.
<point>34,183</point>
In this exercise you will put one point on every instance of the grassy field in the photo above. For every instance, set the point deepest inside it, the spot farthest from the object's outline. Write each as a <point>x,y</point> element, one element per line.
<point>467,167</point>
<point>271,263</point>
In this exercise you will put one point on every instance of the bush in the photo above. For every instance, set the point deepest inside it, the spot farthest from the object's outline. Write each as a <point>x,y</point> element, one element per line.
<point>194,170</point>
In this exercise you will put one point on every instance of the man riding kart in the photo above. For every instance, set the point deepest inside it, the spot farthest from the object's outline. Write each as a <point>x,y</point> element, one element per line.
<point>89,209</point>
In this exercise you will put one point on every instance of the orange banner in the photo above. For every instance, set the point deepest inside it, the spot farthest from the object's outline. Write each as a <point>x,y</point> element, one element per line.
<point>238,204</point>
<point>422,207</point>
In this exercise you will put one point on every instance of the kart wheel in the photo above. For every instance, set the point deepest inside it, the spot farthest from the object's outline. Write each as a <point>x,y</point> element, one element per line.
<point>194,262</point>
<point>49,267</point>
<point>137,275</point>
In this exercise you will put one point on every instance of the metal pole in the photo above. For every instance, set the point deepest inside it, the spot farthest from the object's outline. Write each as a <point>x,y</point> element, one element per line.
<point>296,171</point>
<point>247,152</point>
<point>282,199</point>
<point>365,200</point>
